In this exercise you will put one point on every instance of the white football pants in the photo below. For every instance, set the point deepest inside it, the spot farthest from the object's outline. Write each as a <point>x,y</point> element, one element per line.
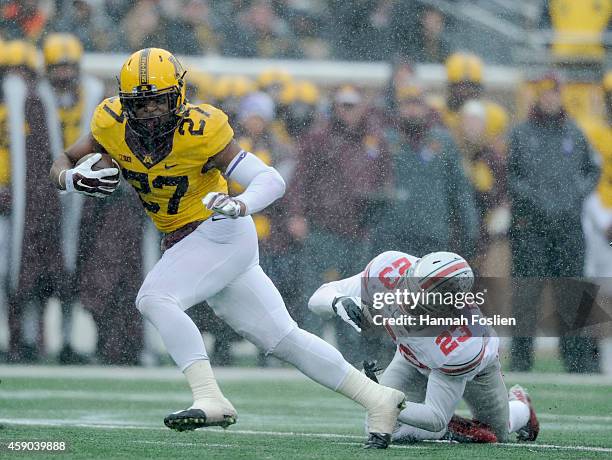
<point>485,395</point>
<point>219,263</point>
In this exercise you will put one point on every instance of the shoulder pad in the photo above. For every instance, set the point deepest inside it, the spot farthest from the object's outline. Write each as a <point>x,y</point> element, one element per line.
<point>385,259</point>
<point>107,114</point>
<point>210,123</point>
<point>384,270</point>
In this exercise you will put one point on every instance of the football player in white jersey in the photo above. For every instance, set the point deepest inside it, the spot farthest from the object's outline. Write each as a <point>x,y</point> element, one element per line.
<point>435,368</point>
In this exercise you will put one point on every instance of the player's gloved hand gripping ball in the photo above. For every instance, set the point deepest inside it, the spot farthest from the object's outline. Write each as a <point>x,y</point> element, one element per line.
<point>95,175</point>
<point>224,204</point>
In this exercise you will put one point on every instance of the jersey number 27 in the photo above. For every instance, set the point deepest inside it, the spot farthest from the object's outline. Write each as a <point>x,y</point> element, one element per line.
<point>140,181</point>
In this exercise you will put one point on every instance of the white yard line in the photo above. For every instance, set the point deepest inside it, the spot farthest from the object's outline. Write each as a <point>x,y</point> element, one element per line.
<point>576,427</point>
<point>60,422</point>
<point>178,397</point>
<point>236,373</point>
<point>575,418</point>
<point>183,397</point>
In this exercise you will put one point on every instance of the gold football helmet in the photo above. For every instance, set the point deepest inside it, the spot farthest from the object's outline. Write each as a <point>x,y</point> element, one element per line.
<point>62,49</point>
<point>152,92</point>
<point>233,87</point>
<point>298,106</point>
<point>20,53</point>
<point>299,91</point>
<point>271,77</point>
<point>464,67</point>
<point>3,53</point>
<point>409,92</point>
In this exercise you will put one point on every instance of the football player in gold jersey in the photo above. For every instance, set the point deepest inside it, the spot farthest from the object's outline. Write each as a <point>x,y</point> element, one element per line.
<point>62,54</point>
<point>464,74</point>
<point>178,157</point>
<point>35,256</point>
<point>597,211</point>
<point>100,288</point>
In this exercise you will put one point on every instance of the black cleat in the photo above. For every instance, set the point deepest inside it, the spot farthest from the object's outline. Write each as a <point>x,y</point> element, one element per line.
<point>192,419</point>
<point>378,441</point>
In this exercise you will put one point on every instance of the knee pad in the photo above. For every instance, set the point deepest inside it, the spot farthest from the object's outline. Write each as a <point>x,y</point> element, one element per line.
<point>282,346</point>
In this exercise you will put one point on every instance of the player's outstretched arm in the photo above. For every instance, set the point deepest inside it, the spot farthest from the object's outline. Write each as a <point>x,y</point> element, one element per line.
<point>321,301</point>
<point>83,178</point>
<point>263,184</point>
<point>342,298</point>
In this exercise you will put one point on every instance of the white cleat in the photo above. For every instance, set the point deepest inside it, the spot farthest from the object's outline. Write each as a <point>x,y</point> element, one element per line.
<point>382,418</point>
<point>203,413</point>
<point>530,431</point>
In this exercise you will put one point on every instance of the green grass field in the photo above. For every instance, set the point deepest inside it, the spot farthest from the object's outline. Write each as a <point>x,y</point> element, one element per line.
<point>118,413</point>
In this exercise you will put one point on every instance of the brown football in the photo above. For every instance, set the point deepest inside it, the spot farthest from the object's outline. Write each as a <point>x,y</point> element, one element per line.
<point>105,162</point>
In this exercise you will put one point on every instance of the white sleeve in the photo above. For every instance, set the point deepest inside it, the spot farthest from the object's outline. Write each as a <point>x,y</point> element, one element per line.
<point>321,301</point>
<point>444,393</point>
<point>595,216</point>
<point>263,184</point>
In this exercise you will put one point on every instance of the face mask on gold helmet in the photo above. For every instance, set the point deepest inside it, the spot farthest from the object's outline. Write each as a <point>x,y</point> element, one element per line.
<point>152,92</point>
<point>297,106</point>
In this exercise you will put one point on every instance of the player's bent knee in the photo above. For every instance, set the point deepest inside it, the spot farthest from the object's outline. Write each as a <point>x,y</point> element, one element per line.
<point>437,423</point>
<point>145,301</point>
<point>275,346</point>
<point>406,434</point>
<point>294,340</point>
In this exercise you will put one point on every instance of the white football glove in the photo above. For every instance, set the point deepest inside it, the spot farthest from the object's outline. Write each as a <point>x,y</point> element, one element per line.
<point>83,179</point>
<point>350,309</point>
<point>222,203</point>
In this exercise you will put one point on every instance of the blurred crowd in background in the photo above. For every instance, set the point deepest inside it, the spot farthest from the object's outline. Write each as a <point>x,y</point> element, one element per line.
<point>521,186</point>
<point>423,30</point>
